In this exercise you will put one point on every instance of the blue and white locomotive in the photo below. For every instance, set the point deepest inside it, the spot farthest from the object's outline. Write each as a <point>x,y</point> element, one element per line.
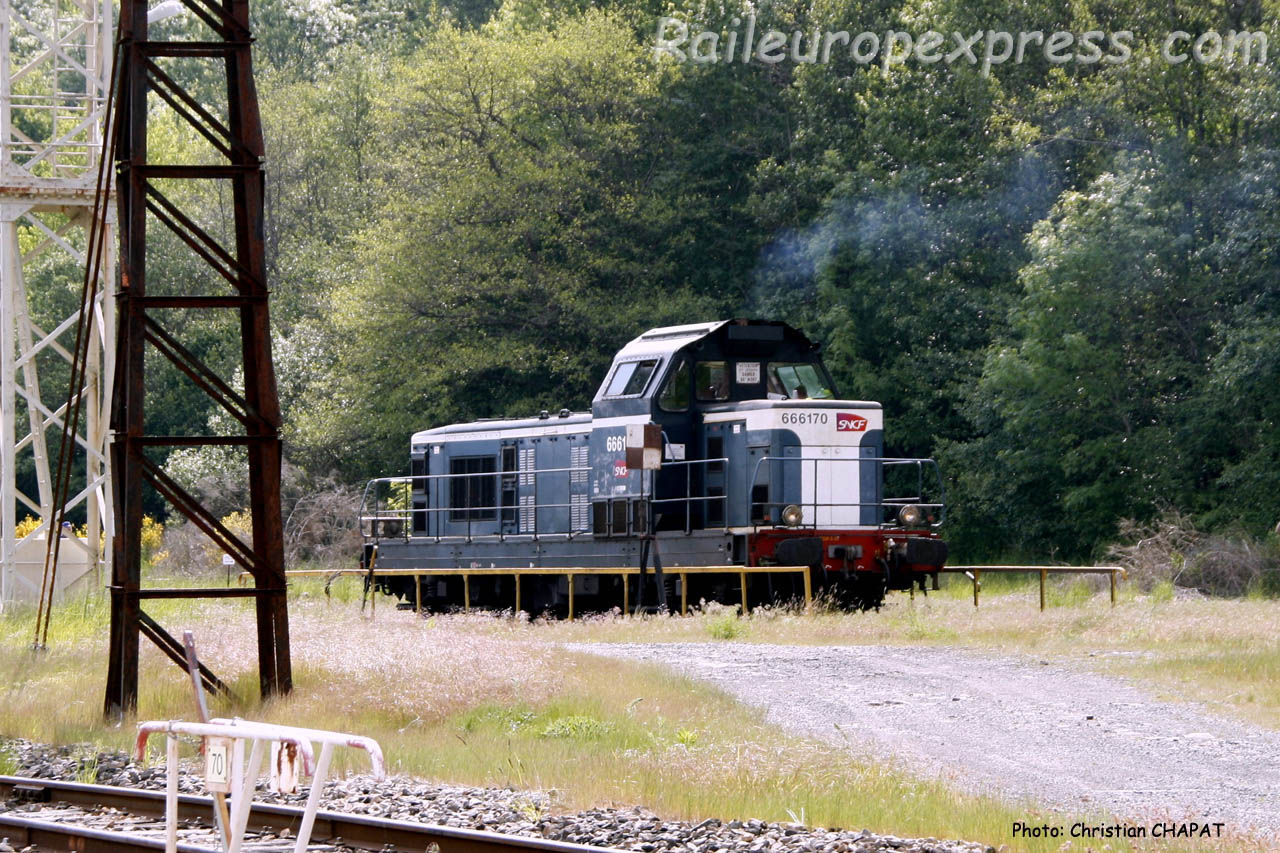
<point>709,446</point>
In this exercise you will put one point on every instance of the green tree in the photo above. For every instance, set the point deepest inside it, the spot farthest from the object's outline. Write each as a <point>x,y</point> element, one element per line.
<point>514,249</point>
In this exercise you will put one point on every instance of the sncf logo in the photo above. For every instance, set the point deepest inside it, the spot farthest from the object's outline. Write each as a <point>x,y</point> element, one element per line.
<point>849,422</point>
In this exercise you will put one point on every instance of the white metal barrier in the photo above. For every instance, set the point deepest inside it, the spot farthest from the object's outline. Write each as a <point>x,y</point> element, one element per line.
<point>292,756</point>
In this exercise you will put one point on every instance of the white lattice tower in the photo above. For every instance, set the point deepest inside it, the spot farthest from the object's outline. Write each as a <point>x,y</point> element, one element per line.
<point>53,85</point>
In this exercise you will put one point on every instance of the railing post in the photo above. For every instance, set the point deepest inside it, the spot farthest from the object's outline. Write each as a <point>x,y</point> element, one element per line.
<point>1112,573</point>
<point>684,594</point>
<point>626,596</point>
<point>1043,575</point>
<point>815,493</point>
<point>417,594</point>
<point>570,577</point>
<point>808,590</point>
<point>171,793</point>
<point>243,786</point>
<point>688,497</point>
<point>466,593</point>
<point>313,799</point>
<point>742,576</point>
<point>977,585</point>
<point>516,612</point>
<point>239,802</point>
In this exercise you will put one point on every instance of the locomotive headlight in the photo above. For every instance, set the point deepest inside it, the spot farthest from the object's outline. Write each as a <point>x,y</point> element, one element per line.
<point>910,516</point>
<point>793,516</point>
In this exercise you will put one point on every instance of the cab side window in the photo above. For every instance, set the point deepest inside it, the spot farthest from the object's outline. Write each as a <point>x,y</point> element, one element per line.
<point>675,394</point>
<point>799,381</point>
<point>711,378</point>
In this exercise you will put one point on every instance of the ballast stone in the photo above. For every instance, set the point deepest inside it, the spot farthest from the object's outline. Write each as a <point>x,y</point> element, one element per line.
<point>527,813</point>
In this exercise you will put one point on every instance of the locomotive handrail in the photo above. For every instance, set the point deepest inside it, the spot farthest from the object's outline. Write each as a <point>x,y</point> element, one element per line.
<point>689,497</point>
<point>883,503</point>
<point>374,517</point>
<point>405,515</point>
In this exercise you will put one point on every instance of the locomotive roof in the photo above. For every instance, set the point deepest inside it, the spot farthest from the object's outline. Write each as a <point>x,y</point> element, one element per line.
<point>668,340</point>
<point>754,405</point>
<point>752,339</point>
<point>738,336</point>
<point>576,419</point>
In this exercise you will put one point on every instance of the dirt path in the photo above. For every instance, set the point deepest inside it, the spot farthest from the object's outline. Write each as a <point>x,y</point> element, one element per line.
<point>1013,725</point>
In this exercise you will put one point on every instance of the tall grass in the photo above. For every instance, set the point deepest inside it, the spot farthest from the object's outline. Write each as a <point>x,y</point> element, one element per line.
<point>483,700</point>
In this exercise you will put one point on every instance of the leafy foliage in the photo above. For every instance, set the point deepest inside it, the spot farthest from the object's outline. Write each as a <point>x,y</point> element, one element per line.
<point>1059,279</point>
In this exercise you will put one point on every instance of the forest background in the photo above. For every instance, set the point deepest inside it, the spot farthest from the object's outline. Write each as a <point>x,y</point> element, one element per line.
<point>1061,280</point>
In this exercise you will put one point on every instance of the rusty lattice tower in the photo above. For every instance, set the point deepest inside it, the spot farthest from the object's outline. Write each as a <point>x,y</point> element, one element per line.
<point>221,154</point>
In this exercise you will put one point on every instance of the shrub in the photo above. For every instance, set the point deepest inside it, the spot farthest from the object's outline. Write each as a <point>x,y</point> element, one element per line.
<point>1162,591</point>
<point>186,550</point>
<point>152,537</point>
<point>726,625</point>
<point>577,727</point>
<point>324,527</point>
<point>1171,550</point>
<point>687,738</point>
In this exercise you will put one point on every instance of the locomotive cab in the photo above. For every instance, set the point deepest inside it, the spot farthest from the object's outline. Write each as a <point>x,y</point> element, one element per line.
<point>757,442</point>
<point>690,381</point>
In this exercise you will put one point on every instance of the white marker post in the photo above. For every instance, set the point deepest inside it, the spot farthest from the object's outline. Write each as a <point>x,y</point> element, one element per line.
<point>226,768</point>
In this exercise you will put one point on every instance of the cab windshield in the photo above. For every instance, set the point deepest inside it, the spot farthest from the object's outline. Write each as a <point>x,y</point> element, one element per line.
<point>630,377</point>
<point>798,381</point>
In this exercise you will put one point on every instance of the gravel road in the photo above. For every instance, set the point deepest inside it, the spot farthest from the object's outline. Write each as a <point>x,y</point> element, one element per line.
<point>1015,726</point>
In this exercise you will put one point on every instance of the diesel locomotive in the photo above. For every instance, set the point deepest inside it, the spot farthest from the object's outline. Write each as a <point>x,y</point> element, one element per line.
<point>708,446</point>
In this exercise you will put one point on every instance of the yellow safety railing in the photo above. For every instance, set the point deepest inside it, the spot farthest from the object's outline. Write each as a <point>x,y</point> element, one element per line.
<point>682,572</point>
<point>974,573</point>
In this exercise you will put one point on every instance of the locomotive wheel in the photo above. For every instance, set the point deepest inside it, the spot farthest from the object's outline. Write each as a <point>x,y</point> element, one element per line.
<point>862,591</point>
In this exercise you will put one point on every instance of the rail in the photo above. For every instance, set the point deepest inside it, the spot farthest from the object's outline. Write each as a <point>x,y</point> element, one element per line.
<point>36,834</point>
<point>974,573</point>
<point>814,519</point>
<point>361,831</point>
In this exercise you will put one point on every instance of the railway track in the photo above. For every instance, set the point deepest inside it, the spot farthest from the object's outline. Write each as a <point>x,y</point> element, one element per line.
<point>75,816</point>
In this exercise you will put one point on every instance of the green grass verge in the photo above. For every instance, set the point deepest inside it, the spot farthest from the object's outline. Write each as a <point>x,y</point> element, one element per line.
<point>487,701</point>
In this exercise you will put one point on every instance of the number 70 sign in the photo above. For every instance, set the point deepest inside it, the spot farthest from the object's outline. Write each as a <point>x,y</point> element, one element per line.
<point>217,764</point>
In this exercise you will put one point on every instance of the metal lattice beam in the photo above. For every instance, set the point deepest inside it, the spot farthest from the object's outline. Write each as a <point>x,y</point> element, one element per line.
<point>53,84</point>
<point>232,157</point>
